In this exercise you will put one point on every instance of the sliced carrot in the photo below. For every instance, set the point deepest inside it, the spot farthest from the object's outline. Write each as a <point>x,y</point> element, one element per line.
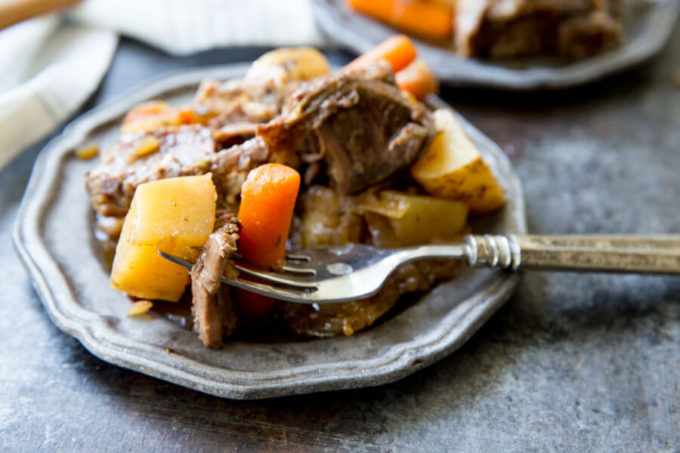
<point>417,79</point>
<point>187,116</point>
<point>147,110</point>
<point>156,114</point>
<point>267,202</point>
<point>428,19</point>
<point>398,51</point>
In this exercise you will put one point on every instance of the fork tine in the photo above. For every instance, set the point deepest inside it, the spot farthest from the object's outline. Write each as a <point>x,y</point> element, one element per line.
<point>288,294</point>
<point>289,256</point>
<point>176,260</point>
<point>298,257</point>
<point>298,270</point>
<point>290,281</point>
<point>272,277</point>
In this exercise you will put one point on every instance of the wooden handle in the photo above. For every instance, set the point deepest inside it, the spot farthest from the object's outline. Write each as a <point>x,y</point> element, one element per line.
<point>624,254</point>
<point>15,11</point>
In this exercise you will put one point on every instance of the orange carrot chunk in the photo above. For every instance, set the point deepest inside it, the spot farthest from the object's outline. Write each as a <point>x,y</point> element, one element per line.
<point>398,51</point>
<point>428,19</point>
<point>417,79</point>
<point>267,202</point>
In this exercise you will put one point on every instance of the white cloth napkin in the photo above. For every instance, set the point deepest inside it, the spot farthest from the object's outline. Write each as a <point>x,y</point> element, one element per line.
<point>50,65</point>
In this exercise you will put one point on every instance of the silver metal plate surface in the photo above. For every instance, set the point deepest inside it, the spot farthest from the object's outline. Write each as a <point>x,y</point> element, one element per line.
<point>648,26</point>
<point>53,236</point>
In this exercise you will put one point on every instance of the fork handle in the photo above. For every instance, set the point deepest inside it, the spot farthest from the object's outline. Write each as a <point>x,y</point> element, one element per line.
<point>624,254</point>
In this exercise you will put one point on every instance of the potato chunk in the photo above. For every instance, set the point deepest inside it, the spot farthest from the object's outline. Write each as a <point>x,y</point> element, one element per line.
<point>397,219</point>
<point>299,64</point>
<point>453,168</point>
<point>175,215</point>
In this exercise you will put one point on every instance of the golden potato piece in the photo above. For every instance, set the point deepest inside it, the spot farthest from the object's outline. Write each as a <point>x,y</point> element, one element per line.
<point>147,145</point>
<point>87,151</point>
<point>397,219</point>
<point>300,64</point>
<point>140,308</point>
<point>175,215</point>
<point>453,168</point>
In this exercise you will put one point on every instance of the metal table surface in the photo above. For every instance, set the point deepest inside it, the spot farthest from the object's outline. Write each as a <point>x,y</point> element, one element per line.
<point>572,362</point>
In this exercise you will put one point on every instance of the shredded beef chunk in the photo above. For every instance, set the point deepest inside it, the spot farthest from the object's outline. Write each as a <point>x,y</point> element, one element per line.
<point>365,129</point>
<point>230,167</point>
<point>256,98</point>
<point>241,100</point>
<point>213,311</point>
<point>238,105</point>
<point>526,28</point>
<point>243,103</point>
<point>234,134</point>
<point>350,317</point>
<point>183,151</point>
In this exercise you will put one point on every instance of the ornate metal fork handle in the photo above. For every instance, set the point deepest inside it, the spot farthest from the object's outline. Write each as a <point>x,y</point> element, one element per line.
<point>355,271</point>
<point>621,254</point>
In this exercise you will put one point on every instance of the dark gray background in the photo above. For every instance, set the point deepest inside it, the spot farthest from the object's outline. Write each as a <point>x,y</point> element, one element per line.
<point>572,362</point>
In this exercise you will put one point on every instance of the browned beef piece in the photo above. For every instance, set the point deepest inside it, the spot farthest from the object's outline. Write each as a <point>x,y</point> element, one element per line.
<point>587,34</point>
<point>240,105</point>
<point>525,28</point>
<point>364,128</point>
<point>234,133</point>
<point>247,100</point>
<point>349,317</point>
<point>213,311</point>
<point>385,132</point>
<point>254,99</point>
<point>230,167</point>
<point>185,150</point>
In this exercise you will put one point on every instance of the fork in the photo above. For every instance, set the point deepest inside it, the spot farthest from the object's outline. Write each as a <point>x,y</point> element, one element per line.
<point>356,271</point>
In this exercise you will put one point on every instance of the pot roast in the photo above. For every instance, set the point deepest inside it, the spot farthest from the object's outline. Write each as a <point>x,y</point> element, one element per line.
<point>346,133</point>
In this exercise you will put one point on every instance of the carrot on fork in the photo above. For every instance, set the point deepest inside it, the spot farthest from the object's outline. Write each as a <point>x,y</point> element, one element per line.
<point>426,19</point>
<point>267,202</point>
<point>398,51</point>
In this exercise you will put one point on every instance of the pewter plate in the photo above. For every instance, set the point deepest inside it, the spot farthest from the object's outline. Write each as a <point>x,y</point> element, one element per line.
<point>648,26</point>
<point>53,236</point>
